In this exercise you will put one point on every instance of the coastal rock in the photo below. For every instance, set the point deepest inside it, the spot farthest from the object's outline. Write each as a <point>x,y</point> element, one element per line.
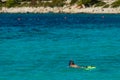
<point>65,9</point>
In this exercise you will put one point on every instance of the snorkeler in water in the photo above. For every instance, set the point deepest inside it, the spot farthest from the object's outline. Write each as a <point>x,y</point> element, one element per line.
<point>73,65</point>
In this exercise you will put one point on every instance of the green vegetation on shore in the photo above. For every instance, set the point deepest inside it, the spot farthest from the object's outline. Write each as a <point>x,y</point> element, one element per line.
<point>89,3</point>
<point>11,3</point>
<point>56,3</point>
<point>100,4</point>
<point>116,3</point>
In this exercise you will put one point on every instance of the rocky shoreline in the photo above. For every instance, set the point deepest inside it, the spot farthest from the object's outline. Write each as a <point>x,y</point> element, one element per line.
<point>65,9</point>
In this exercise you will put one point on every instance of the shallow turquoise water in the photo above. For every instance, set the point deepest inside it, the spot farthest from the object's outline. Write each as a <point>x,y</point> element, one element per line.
<point>39,46</point>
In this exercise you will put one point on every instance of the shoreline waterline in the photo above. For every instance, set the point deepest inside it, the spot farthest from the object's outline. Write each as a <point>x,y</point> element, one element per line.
<point>96,10</point>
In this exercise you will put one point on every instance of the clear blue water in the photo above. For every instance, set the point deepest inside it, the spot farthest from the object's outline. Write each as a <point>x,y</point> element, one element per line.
<point>39,46</point>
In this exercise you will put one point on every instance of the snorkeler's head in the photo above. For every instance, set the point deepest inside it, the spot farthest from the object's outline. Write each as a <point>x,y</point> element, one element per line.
<point>71,62</point>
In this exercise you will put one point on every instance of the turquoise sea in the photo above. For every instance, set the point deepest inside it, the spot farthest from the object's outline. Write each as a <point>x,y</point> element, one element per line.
<point>39,46</point>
